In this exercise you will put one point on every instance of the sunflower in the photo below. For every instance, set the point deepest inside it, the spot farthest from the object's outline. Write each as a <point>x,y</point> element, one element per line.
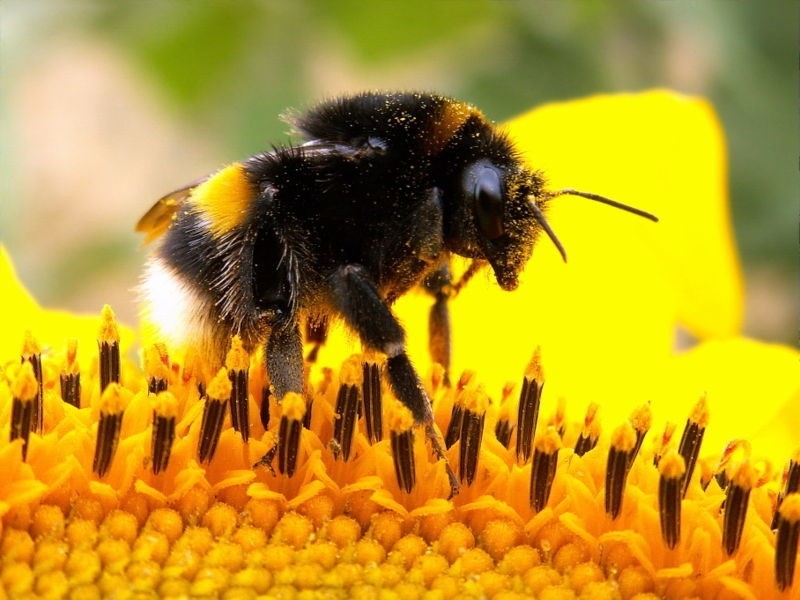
<point>612,465</point>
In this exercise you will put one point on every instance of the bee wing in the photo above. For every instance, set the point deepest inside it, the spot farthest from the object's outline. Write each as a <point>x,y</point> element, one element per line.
<point>157,220</point>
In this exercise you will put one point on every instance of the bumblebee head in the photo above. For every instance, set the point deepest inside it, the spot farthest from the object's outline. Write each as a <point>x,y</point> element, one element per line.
<point>503,216</point>
<point>499,209</point>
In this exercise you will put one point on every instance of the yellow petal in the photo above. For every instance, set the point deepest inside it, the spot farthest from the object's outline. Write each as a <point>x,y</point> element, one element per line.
<point>51,328</point>
<point>607,319</point>
<point>753,390</point>
<point>660,151</point>
<point>17,307</point>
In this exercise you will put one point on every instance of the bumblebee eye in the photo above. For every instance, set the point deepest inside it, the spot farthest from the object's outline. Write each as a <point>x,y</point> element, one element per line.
<point>489,202</point>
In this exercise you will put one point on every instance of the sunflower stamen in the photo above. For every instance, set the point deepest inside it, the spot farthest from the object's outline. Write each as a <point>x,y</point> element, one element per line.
<point>156,367</point>
<point>32,353</point>
<point>401,434</point>
<point>24,390</point>
<point>263,409</point>
<point>453,433</point>
<point>217,395</point>
<point>238,364</point>
<point>71,376</point>
<point>113,403</point>
<point>165,409</point>
<point>346,416</point>
<point>662,443</point>
<point>670,492</point>
<point>590,433</point>
<point>309,412</point>
<point>787,540</point>
<point>559,418</point>
<point>543,469</point>
<point>736,451</point>
<point>316,333</point>
<point>623,443</point>
<point>706,472</point>
<point>791,484</point>
<point>108,342</point>
<point>468,377</point>
<point>528,413</point>
<point>504,428</point>
<point>293,411</point>
<point>692,438</point>
<point>641,419</point>
<point>194,366</point>
<point>737,497</point>
<point>474,403</point>
<point>438,380</point>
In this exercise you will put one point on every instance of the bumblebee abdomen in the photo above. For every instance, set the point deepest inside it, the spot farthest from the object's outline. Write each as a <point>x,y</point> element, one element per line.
<point>204,261</point>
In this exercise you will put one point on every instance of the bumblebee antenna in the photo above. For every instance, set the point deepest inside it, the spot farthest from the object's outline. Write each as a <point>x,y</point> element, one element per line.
<point>537,212</point>
<point>602,200</point>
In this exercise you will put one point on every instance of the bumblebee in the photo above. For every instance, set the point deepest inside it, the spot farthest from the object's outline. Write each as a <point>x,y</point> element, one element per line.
<point>381,192</point>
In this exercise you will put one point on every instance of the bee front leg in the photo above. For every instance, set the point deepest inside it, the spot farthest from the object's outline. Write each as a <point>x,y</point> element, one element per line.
<point>357,299</point>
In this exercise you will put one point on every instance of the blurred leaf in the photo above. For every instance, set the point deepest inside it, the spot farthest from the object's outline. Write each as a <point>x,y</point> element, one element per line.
<point>189,47</point>
<point>381,30</point>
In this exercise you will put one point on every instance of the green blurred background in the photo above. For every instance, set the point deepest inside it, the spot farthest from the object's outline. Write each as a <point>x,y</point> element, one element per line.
<point>107,105</point>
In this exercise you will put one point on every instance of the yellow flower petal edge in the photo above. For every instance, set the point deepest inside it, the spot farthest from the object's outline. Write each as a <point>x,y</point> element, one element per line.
<point>753,389</point>
<point>52,328</point>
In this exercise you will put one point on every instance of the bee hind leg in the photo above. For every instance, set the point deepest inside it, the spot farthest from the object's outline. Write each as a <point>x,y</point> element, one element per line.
<point>357,299</point>
<point>284,358</point>
<point>284,354</point>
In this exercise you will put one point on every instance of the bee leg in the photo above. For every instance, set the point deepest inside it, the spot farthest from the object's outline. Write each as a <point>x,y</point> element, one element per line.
<point>438,285</point>
<point>284,358</point>
<point>316,333</point>
<point>441,286</point>
<point>266,460</point>
<point>473,268</point>
<point>357,299</point>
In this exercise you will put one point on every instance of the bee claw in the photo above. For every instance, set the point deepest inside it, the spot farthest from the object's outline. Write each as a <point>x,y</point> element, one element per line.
<point>435,437</point>
<point>266,460</point>
<point>455,487</point>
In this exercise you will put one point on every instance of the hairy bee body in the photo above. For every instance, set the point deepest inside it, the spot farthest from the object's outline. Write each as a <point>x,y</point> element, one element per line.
<point>382,190</point>
<point>254,245</point>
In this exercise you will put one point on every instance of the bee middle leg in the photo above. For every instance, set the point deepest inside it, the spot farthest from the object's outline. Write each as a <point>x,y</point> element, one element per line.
<point>441,286</point>
<point>357,299</point>
<point>438,285</point>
